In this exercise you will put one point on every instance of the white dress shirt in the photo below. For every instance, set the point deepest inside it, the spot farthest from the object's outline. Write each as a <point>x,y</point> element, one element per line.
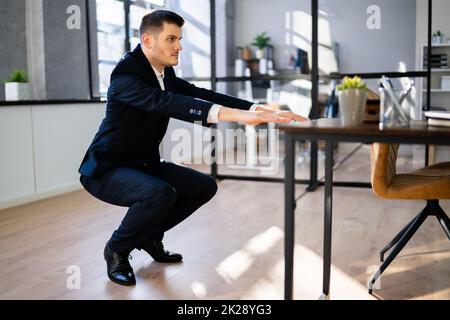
<point>213,114</point>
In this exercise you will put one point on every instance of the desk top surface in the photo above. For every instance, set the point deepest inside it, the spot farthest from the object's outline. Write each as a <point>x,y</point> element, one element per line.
<point>333,127</point>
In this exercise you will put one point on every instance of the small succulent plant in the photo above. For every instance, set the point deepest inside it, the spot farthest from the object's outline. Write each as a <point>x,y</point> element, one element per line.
<point>351,83</point>
<point>261,40</point>
<point>18,75</point>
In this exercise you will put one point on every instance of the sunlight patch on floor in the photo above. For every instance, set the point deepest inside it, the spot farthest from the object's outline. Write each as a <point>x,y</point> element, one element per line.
<point>236,264</point>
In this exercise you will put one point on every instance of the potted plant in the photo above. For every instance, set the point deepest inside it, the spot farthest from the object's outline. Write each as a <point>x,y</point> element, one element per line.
<point>17,87</point>
<point>246,53</point>
<point>352,93</point>
<point>437,37</point>
<point>260,41</point>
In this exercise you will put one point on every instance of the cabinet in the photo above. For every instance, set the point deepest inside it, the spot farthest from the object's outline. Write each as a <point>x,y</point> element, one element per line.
<point>440,69</point>
<point>42,148</point>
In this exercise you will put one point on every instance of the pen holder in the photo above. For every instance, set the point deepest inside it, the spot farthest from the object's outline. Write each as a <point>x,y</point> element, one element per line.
<point>394,111</point>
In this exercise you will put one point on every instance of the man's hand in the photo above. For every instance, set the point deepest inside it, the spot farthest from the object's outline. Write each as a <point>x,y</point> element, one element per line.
<point>252,118</point>
<point>269,106</point>
<point>274,109</point>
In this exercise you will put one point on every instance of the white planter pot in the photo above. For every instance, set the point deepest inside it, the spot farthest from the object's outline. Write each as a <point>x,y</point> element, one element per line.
<point>259,53</point>
<point>17,91</point>
<point>352,103</point>
<point>436,39</point>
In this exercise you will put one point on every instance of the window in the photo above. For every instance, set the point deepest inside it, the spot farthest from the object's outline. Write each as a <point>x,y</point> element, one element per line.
<point>112,37</point>
<point>138,9</point>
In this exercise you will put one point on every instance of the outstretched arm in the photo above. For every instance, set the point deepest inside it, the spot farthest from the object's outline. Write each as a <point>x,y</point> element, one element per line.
<point>257,117</point>
<point>189,89</point>
<point>274,109</point>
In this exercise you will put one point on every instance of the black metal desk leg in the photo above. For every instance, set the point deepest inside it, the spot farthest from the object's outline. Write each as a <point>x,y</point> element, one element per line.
<point>289,222</point>
<point>313,167</point>
<point>328,206</point>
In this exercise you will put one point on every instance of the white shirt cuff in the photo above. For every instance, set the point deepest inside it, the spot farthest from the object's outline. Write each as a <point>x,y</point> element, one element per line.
<point>213,114</point>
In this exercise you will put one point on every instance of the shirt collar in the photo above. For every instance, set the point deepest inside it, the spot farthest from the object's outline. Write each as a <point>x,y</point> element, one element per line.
<point>158,74</point>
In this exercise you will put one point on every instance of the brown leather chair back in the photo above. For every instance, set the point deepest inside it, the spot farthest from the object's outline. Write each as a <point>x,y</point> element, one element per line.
<point>383,166</point>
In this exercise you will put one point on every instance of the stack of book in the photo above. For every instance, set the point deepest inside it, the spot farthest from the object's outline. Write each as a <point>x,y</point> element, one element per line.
<point>438,118</point>
<point>438,61</point>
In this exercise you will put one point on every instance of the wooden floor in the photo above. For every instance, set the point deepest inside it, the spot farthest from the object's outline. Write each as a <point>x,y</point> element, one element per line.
<point>232,247</point>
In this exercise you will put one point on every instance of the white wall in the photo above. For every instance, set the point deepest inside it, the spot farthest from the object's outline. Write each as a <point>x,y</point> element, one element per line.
<point>42,148</point>
<point>255,16</point>
<point>288,23</point>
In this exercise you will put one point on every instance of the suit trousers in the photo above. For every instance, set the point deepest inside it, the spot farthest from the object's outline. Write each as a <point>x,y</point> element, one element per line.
<point>158,197</point>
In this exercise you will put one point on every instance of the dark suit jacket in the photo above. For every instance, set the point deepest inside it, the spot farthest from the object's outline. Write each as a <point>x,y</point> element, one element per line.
<point>138,112</point>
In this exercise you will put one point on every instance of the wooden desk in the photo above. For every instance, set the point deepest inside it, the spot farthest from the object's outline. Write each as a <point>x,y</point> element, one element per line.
<point>331,130</point>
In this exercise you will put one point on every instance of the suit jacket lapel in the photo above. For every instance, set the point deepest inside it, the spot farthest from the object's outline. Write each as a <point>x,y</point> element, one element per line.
<point>148,72</point>
<point>168,81</point>
<point>146,68</point>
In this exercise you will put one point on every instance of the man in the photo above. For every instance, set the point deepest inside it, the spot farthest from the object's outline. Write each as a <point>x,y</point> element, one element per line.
<point>122,165</point>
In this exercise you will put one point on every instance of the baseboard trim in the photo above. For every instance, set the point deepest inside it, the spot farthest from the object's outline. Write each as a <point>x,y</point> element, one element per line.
<point>38,196</point>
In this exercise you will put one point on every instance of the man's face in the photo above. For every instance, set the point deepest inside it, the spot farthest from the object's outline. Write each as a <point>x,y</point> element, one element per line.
<point>165,46</point>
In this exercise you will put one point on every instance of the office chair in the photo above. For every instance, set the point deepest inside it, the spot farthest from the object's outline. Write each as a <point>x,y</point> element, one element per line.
<point>430,183</point>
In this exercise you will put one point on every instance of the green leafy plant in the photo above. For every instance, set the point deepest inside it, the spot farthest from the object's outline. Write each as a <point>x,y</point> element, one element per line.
<point>351,83</point>
<point>261,40</point>
<point>18,75</point>
<point>437,33</point>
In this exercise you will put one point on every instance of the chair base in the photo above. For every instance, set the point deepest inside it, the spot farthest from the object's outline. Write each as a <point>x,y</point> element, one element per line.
<point>401,239</point>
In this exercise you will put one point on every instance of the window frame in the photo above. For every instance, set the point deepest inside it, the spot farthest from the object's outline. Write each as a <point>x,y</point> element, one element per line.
<point>128,31</point>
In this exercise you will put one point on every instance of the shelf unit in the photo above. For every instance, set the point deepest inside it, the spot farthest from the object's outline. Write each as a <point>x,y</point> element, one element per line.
<point>439,96</point>
<point>440,70</point>
<point>436,91</point>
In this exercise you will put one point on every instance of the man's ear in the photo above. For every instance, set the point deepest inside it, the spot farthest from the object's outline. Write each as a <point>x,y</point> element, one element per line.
<point>147,40</point>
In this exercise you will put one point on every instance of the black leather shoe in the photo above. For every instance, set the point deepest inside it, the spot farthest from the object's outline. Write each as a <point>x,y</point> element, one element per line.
<point>156,250</point>
<point>118,266</point>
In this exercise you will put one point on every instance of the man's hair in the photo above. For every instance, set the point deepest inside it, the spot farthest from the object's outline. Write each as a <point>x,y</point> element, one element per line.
<point>154,20</point>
